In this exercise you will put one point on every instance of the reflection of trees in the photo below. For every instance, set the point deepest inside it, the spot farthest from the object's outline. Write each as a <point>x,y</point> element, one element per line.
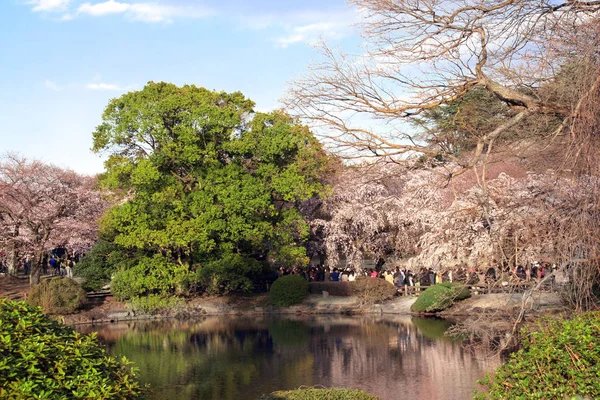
<point>243,358</point>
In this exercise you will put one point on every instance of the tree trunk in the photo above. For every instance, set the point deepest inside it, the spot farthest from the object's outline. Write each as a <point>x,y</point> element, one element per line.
<point>36,268</point>
<point>11,261</point>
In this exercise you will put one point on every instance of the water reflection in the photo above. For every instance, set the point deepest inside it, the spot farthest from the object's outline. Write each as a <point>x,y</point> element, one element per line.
<point>242,358</point>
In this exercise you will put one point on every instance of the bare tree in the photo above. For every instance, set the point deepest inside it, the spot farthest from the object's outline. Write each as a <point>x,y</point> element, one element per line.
<point>43,206</point>
<point>422,54</point>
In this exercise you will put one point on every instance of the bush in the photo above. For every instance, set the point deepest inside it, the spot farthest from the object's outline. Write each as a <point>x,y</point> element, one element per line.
<point>59,295</point>
<point>44,359</point>
<point>321,394</point>
<point>155,275</point>
<point>288,290</point>
<point>439,297</point>
<point>560,359</point>
<point>373,290</point>
<point>459,291</point>
<point>153,303</point>
<point>98,265</point>
<point>232,272</point>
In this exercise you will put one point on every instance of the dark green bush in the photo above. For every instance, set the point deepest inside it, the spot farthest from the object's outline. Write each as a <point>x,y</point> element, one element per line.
<point>460,291</point>
<point>232,272</point>
<point>560,359</point>
<point>44,359</point>
<point>373,290</point>
<point>59,295</point>
<point>321,394</point>
<point>98,265</point>
<point>288,290</point>
<point>439,297</point>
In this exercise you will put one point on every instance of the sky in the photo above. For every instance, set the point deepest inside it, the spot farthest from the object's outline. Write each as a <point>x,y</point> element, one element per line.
<point>63,60</point>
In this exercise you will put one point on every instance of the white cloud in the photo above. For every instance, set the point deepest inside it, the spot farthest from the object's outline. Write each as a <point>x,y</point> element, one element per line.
<point>49,5</point>
<point>99,9</point>
<point>146,12</point>
<point>51,85</point>
<point>108,87</point>
<point>307,26</point>
<point>313,32</point>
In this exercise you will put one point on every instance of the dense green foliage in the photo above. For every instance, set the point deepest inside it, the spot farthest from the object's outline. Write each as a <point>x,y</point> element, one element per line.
<point>98,265</point>
<point>44,359</point>
<point>373,290</point>
<point>288,290</point>
<point>232,272</point>
<point>58,295</point>
<point>559,359</point>
<point>210,185</point>
<point>321,394</point>
<point>439,297</point>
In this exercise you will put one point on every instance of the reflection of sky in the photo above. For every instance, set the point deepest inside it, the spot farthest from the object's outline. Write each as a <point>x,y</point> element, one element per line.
<point>244,358</point>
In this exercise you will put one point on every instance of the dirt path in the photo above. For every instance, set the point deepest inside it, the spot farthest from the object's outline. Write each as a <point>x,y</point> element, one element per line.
<point>14,288</point>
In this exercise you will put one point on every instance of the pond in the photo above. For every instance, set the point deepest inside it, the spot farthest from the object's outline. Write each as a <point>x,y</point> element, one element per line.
<point>229,358</point>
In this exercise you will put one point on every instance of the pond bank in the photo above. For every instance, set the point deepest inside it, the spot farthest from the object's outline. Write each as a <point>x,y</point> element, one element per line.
<point>502,305</point>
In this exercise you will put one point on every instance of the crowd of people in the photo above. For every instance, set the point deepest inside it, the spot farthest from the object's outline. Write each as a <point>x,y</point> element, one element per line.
<point>58,262</point>
<point>425,276</point>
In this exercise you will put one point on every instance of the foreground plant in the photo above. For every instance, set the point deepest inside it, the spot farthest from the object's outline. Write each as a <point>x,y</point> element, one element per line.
<point>559,359</point>
<point>44,359</point>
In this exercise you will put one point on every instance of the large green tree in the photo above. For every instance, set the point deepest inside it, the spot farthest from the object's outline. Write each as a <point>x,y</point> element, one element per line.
<point>205,179</point>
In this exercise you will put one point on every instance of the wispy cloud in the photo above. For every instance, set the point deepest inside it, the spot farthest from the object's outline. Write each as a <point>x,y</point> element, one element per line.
<point>108,87</point>
<point>305,27</point>
<point>51,85</point>
<point>49,5</point>
<point>312,33</point>
<point>146,12</point>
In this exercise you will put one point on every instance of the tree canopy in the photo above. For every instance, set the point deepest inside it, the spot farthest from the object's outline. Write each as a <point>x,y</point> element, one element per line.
<point>204,177</point>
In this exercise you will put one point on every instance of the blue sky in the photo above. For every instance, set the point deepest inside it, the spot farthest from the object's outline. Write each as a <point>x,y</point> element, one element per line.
<point>62,60</point>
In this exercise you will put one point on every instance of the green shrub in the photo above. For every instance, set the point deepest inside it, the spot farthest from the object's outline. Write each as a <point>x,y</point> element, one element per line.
<point>232,272</point>
<point>373,290</point>
<point>321,394</point>
<point>44,359</point>
<point>560,359</point>
<point>152,303</point>
<point>288,290</point>
<point>155,275</point>
<point>460,291</point>
<point>439,297</point>
<point>98,265</point>
<point>59,295</point>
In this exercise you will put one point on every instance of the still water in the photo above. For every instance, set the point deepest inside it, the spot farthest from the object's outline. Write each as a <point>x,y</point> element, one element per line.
<point>242,358</point>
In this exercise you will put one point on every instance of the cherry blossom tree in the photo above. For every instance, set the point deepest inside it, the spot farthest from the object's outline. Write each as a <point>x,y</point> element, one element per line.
<point>43,206</point>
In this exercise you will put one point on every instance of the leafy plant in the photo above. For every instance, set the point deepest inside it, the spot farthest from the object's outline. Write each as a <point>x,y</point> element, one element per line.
<point>288,290</point>
<point>439,297</point>
<point>59,295</point>
<point>321,394</point>
<point>155,275</point>
<point>152,303</point>
<point>44,359</point>
<point>559,359</point>
<point>232,272</point>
